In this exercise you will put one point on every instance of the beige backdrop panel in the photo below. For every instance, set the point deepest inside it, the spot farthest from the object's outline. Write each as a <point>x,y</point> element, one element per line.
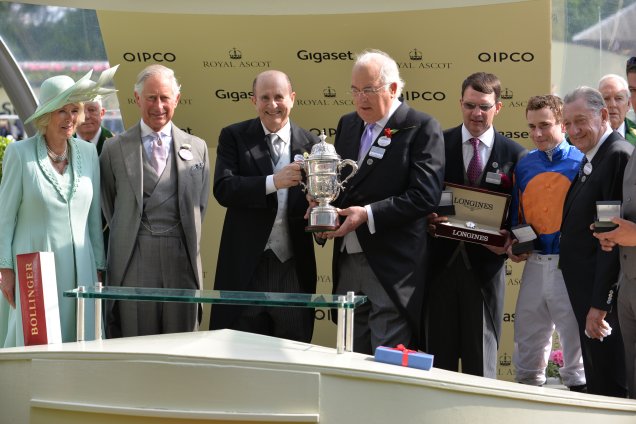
<point>217,56</point>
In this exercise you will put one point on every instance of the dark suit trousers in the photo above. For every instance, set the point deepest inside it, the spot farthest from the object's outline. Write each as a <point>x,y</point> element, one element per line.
<point>604,361</point>
<point>287,323</point>
<point>457,323</point>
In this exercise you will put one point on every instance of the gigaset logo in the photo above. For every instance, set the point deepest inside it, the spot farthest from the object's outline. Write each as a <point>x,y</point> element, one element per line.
<point>149,56</point>
<point>505,57</point>
<point>319,57</point>
<point>234,96</point>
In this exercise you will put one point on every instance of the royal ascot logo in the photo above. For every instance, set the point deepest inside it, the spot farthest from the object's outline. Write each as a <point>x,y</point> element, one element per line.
<point>235,53</point>
<point>506,94</point>
<point>235,59</point>
<point>233,96</point>
<point>149,57</point>
<point>502,57</point>
<point>473,205</point>
<point>416,61</point>
<point>183,101</point>
<point>319,57</point>
<point>329,92</point>
<point>505,360</point>
<point>329,98</point>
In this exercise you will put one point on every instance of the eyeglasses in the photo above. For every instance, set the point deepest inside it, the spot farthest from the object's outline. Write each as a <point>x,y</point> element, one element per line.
<point>367,91</point>
<point>471,106</point>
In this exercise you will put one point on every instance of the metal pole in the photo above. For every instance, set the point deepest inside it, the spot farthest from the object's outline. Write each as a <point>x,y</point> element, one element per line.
<point>340,330</point>
<point>80,314</point>
<point>98,313</point>
<point>349,324</point>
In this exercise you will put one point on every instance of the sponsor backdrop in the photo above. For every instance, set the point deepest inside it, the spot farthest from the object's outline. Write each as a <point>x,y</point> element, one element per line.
<point>217,56</point>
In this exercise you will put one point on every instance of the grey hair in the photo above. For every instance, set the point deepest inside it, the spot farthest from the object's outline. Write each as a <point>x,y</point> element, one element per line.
<point>593,98</point>
<point>154,70</point>
<point>389,71</point>
<point>621,82</point>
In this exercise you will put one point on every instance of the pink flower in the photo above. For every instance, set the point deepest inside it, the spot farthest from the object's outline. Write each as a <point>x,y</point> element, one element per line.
<point>556,356</point>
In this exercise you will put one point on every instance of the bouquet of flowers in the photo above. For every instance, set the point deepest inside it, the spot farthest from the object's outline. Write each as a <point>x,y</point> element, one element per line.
<point>555,362</point>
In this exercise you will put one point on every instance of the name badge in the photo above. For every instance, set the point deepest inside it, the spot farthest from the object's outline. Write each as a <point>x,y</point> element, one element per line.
<point>493,178</point>
<point>377,152</point>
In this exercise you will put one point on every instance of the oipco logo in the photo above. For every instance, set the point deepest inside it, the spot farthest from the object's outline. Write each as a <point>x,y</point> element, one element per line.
<point>500,57</point>
<point>319,57</point>
<point>426,96</point>
<point>149,56</point>
<point>329,132</point>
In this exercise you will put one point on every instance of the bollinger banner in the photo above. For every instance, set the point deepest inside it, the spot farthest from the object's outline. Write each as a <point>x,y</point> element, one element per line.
<point>38,298</point>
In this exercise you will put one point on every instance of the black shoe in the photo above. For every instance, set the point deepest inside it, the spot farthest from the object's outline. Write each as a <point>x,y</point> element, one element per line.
<point>580,388</point>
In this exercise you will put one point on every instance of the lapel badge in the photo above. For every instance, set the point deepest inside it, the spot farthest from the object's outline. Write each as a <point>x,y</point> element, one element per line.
<point>495,165</point>
<point>185,152</point>
<point>384,141</point>
<point>369,161</point>
<point>587,168</point>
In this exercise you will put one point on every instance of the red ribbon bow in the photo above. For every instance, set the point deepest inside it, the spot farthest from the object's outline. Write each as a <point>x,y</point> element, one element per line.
<point>405,354</point>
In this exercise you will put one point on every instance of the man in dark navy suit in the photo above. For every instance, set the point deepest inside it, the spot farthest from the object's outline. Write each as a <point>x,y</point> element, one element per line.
<point>590,273</point>
<point>466,292</point>
<point>380,247</point>
<point>264,246</point>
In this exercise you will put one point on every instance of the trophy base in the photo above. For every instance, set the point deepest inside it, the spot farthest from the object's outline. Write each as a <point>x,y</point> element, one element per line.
<point>319,228</point>
<point>321,219</point>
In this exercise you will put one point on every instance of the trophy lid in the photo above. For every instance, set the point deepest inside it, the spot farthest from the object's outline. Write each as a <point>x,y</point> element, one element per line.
<point>323,150</point>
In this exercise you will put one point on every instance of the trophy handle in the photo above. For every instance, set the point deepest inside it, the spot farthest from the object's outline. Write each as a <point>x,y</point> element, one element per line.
<point>354,169</point>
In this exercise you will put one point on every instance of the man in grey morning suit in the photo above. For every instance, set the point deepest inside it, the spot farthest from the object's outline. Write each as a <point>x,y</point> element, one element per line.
<point>264,246</point>
<point>155,189</point>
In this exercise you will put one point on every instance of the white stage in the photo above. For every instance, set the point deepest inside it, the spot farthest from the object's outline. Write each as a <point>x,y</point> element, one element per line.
<point>229,376</point>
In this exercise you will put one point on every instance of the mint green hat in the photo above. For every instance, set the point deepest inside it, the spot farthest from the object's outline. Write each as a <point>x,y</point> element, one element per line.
<point>60,90</point>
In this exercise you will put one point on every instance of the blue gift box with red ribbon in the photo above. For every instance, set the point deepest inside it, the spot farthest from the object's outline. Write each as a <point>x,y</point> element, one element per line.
<point>400,355</point>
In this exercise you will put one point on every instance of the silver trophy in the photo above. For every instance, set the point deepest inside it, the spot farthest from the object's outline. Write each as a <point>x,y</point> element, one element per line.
<point>322,168</point>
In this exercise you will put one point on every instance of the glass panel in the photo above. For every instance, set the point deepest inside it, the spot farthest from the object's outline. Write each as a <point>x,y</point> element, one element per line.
<point>218,296</point>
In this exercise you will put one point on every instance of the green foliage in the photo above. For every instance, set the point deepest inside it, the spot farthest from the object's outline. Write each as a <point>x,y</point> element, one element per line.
<point>582,14</point>
<point>4,142</point>
<point>35,32</point>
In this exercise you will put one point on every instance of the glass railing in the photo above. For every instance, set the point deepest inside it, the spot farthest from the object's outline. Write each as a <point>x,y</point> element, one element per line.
<point>345,304</point>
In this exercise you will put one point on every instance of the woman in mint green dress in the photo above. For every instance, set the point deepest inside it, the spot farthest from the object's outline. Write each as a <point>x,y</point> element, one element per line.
<point>49,201</point>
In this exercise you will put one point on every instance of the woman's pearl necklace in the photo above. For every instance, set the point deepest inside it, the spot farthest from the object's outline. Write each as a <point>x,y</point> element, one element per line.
<point>55,157</point>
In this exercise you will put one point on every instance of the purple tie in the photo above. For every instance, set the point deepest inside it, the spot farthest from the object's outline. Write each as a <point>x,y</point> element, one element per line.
<point>366,141</point>
<point>158,159</point>
<point>475,166</point>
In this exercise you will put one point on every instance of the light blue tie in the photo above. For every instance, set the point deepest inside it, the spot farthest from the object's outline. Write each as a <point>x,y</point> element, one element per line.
<point>366,141</point>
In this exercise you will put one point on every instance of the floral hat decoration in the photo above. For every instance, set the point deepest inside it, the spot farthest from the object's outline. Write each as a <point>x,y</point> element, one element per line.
<point>61,90</point>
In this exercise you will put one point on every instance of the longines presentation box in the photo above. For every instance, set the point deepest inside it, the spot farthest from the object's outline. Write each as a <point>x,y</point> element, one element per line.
<point>479,214</point>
